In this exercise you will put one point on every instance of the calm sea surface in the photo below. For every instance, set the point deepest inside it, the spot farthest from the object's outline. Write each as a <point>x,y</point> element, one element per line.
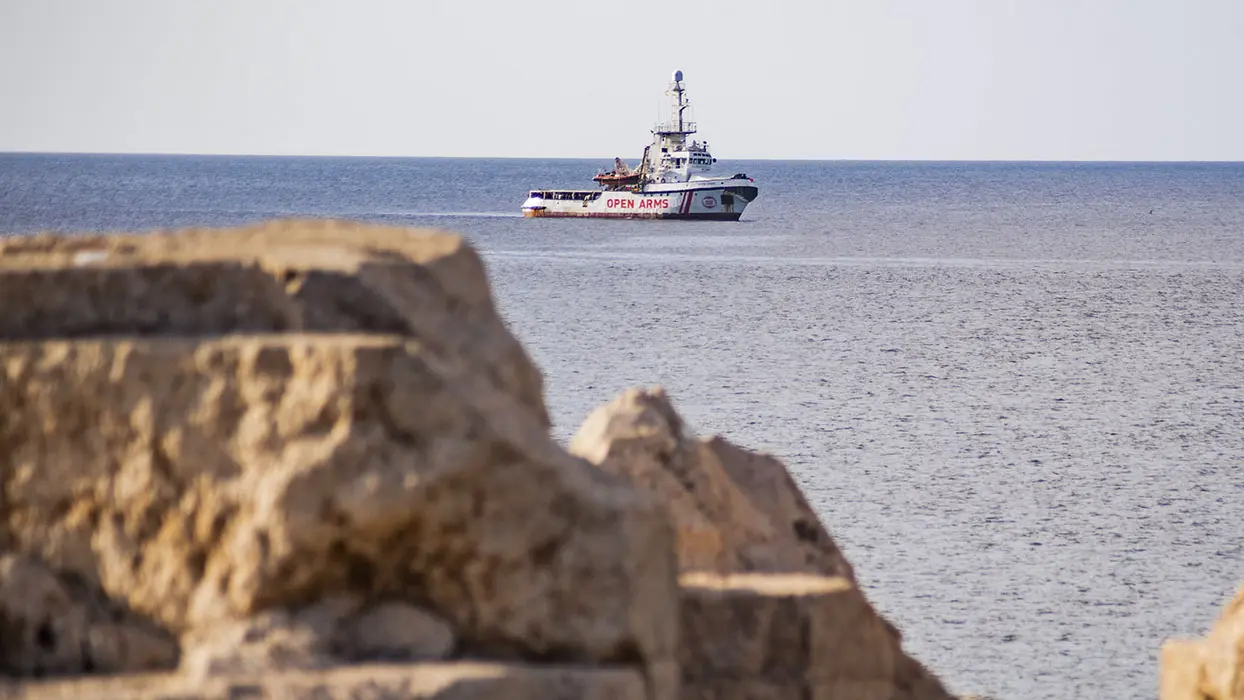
<point>1014,392</point>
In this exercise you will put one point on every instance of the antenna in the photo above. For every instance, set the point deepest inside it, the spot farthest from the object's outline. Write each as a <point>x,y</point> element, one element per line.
<point>679,90</point>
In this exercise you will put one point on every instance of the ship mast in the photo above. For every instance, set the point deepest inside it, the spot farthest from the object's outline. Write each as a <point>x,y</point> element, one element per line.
<point>678,127</point>
<point>672,157</point>
<point>680,91</point>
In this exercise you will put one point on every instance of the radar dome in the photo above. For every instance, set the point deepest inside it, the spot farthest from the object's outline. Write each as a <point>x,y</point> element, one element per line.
<point>678,76</point>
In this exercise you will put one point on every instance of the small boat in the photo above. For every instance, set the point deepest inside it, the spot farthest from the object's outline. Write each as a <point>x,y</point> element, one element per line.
<point>673,180</point>
<point>621,175</point>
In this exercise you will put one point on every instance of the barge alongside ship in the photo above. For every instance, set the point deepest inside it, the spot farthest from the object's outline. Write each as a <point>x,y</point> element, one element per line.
<point>671,182</point>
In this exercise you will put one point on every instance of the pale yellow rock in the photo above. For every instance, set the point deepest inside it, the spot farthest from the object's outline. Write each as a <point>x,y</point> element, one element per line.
<point>767,594</point>
<point>249,473</point>
<point>1208,669</point>
<point>1181,670</point>
<point>177,440</point>
<point>799,541</point>
<point>642,439</point>
<point>423,681</point>
<point>734,510</point>
<point>280,276</point>
<point>1224,653</point>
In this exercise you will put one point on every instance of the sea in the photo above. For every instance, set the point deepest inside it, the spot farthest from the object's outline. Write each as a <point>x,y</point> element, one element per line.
<point>1014,392</point>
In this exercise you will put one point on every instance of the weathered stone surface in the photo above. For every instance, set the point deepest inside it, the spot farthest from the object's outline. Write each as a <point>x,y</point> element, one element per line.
<point>395,632</point>
<point>781,627</point>
<point>912,681</point>
<point>266,642</point>
<point>768,689</point>
<point>328,632</point>
<point>303,444</point>
<point>735,511</point>
<point>1211,668</point>
<point>1182,670</point>
<point>791,636</point>
<point>201,480</point>
<point>799,541</point>
<point>430,681</point>
<point>310,276</point>
<point>48,628</point>
<point>190,453</point>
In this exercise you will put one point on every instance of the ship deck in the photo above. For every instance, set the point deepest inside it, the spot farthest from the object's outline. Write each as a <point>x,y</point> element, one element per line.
<point>571,195</point>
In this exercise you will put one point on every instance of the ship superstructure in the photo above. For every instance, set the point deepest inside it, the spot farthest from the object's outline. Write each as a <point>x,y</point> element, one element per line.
<point>673,179</point>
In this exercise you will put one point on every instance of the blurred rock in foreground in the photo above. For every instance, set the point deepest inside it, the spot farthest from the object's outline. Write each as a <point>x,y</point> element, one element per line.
<point>1210,668</point>
<point>307,459</point>
<point>770,607</point>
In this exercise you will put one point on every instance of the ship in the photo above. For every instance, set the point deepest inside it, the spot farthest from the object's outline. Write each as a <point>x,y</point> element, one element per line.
<point>673,180</point>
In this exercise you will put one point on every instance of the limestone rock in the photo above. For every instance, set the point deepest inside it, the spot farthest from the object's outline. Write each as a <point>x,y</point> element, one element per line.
<point>395,631</point>
<point>642,439</point>
<point>799,541</point>
<point>759,636</point>
<point>268,641</point>
<point>1208,669</point>
<point>1182,670</point>
<point>738,512</point>
<point>48,628</point>
<point>44,629</point>
<point>422,681</point>
<point>256,473</point>
<point>766,689</point>
<point>311,276</point>
<point>326,633</point>
<point>912,681</point>
<point>781,627</point>
<point>177,440</point>
<point>735,510</point>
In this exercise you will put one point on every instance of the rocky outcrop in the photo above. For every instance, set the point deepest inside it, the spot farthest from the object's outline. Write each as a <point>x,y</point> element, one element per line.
<point>215,431</point>
<point>320,635</point>
<point>264,472</point>
<point>429,681</point>
<point>1211,668</point>
<point>814,635</point>
<point>262,461</point>
<point>280,277</point>
<point>735,510</point>
<point>770,606</point>
<point>52,626</point>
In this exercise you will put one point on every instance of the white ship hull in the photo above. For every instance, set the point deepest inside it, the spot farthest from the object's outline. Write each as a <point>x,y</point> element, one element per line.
<point>716,200</point>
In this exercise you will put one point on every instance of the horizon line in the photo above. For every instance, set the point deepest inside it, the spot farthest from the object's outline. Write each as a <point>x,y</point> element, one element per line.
<point>189,154</point>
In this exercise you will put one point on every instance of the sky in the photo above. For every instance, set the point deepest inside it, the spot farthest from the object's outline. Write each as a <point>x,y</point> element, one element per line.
<point>858,79</point>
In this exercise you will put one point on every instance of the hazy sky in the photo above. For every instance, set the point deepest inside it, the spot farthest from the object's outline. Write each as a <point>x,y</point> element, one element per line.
<point>867,79</point>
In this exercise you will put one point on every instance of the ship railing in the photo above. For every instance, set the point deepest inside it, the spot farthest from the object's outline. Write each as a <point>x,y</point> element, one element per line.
<point>674,128</point>
<point>572,195</point>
